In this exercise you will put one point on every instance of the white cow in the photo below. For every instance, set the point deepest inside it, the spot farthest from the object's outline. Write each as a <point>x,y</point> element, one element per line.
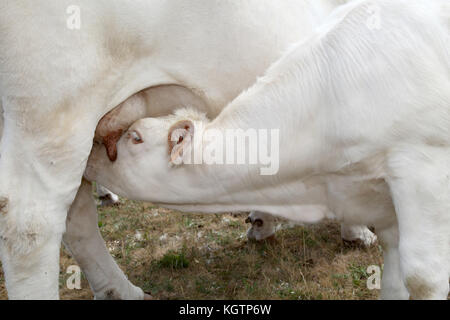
<point>376,134</point>
<point>66,64</point>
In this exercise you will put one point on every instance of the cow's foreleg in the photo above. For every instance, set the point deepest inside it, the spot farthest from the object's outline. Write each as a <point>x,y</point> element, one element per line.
<point>420,185</point>
<point>84,241</point>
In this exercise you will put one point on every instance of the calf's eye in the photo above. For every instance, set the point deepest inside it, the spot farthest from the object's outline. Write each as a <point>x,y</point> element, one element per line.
<point>135,137</point>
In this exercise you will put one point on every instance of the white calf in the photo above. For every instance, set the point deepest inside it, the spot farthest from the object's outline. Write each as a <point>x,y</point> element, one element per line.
<point>376,134</point>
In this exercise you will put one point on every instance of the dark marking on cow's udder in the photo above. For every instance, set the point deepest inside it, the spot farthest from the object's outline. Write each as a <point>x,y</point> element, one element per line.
<point>4,205</point>
<point>110,142</point>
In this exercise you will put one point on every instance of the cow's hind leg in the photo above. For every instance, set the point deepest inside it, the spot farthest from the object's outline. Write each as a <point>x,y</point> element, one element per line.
<point>84,241</point>
<point>420,186</point>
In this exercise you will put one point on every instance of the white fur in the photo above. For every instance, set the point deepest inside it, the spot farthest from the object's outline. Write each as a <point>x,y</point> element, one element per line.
<point>57,83</point>
<point>364,122</point>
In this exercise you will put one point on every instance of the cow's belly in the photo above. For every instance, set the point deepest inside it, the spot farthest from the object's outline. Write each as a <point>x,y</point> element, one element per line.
<point>365,202</point>
<point>152,102</point>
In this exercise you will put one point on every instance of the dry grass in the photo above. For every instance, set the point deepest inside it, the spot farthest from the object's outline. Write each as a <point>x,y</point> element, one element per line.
<point>194,256</point>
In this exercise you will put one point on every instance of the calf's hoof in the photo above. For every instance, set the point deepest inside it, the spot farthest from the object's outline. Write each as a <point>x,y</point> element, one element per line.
<point>148,296</point>
<point>109,200</point>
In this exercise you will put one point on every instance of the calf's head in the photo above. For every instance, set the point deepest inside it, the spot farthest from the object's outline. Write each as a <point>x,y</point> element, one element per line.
<point>148,155</point>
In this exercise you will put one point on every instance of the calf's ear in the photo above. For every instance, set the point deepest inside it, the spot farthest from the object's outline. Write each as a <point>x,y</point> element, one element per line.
<point>180,138</point>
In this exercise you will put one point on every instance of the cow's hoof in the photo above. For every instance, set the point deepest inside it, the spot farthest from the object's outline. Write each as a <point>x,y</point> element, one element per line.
<point>148,296</point>
<point>365,239</point>
<point>360,243</point>
<point>368,238</point>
